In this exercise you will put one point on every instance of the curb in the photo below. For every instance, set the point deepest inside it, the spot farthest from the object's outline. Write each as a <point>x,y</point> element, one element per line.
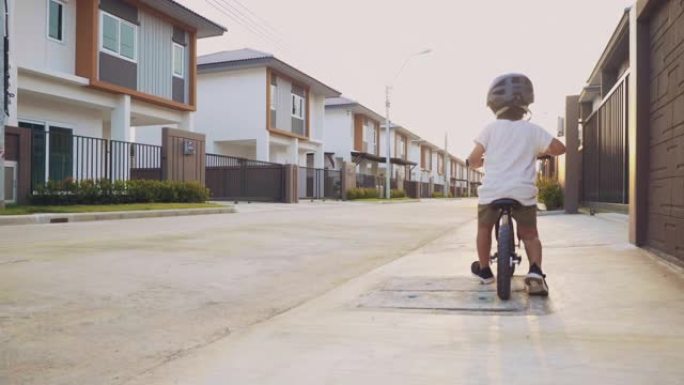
<point>35,219</point>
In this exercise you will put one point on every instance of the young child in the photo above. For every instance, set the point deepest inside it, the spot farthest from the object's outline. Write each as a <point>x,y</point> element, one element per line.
<point>511,146</point>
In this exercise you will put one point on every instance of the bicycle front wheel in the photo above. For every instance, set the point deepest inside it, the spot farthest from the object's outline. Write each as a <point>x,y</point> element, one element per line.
<point>504,266</point>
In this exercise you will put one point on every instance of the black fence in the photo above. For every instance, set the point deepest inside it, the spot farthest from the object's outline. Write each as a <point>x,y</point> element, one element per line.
<point>366,181</point>
<point>425,190</point>
<point>239,179</point>
<point>317,183</point>
<point>58,155</point>
<point>411,189</point>
<point>605,152</point>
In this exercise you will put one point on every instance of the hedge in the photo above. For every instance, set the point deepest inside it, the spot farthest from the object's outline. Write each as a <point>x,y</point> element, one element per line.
<point>362,193</point>
<point>104,191</point>
<point>550,193</point>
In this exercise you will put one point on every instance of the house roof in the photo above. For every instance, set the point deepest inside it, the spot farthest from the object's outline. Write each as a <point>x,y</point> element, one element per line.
<point>354,106</point>
<point>613,54</point>
<point>204,26</point>
<point>251,58</point>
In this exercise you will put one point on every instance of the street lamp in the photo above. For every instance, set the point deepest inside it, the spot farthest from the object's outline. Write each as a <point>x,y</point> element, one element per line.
<point>387,119</point>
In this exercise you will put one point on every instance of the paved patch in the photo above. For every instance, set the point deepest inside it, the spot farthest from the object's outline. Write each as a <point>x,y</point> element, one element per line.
<point>453,294</point>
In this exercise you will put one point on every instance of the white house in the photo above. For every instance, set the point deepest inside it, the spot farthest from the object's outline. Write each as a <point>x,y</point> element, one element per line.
<point>404,153</point>
<point>96,68</point>
<point>352,134</point>
<point>256,106</point>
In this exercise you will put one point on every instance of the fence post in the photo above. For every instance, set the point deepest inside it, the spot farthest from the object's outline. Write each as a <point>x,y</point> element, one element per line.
<point>291,187</point>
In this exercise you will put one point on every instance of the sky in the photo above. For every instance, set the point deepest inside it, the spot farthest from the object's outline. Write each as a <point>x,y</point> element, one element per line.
<point>358,46</point>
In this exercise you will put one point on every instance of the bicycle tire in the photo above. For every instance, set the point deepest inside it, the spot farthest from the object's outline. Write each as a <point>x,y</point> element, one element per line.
<point>504,273</point>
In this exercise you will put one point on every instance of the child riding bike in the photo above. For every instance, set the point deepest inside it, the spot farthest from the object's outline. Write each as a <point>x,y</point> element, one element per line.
<point>511,146</point>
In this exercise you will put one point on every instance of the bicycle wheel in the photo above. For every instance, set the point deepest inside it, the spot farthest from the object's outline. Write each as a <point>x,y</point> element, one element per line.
<point>504,273</point>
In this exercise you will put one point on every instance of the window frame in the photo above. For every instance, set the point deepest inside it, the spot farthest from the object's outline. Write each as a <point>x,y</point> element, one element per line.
<point>370,128</point>
<point>173,60</point>
<point>120,22</point>
<point>302,106</point>
<point>61,4</point>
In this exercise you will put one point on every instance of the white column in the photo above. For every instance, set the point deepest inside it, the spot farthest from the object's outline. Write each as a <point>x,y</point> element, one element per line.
<point>12,119</point>
<point>120,130</point>
<point>121,120</point>
<point>293,152</point>
<point>319,157</point>
<point>188,122</point>
<point>263,147</point>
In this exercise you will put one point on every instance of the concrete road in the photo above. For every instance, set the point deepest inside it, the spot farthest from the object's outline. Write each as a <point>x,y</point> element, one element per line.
<point>111,302</point>
<point>614,316</point>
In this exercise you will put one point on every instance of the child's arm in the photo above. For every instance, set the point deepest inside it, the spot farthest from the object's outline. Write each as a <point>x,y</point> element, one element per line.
<point>475,159</point>
<point>556,148</point>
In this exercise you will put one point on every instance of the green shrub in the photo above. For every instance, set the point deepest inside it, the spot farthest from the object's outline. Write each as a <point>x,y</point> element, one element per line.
<point>397,194</point>
<point>362,193</point>
<point>550,193</point>
<point>104,191</point>
<point>436,194</point>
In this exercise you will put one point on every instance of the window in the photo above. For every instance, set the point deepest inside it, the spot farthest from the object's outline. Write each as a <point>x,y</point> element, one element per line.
<point>370,136</point>
<point>56,20</point>
<point>440,164</point>
<point>178,60</point>
<point>274,93</point>
<point>427,159</point>
<point>400,151</point>
<point>120,37</point>
<point>297,107</point>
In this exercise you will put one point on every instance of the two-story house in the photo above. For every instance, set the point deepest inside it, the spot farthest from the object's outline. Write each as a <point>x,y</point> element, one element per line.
<point>353,134</point>
<point>96,68</point>
<point>401,160</point>
<point>256,106</point>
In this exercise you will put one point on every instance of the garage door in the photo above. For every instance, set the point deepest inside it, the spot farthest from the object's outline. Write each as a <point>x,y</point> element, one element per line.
<point>666,176</point>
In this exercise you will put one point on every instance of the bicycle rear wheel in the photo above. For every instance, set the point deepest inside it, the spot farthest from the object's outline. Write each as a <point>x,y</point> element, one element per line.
<point>504,267</point>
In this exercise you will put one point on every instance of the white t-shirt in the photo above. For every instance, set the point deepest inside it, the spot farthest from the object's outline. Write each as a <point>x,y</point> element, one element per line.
<point>511,149</point>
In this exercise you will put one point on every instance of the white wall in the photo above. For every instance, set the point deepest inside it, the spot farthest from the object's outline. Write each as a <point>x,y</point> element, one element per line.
<point>414,156</point>
<point>339,133</point>
<point>231,105</point>
<point>30,33</point>
<point>84,121</point>
<point>317,116</point>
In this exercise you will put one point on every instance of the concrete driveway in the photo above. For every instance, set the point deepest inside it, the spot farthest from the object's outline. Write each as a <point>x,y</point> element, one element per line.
<point>107,302</point>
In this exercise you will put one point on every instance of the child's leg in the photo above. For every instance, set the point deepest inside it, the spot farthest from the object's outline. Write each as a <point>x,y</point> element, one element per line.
<point>486,218</point>
<point>533,246</point>
<point>526,217</point>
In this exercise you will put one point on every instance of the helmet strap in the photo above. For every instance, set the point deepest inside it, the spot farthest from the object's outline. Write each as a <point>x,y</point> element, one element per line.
<point>502,111</point>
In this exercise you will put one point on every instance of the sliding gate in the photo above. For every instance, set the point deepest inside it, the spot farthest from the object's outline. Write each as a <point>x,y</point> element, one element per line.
<point>239,179</point>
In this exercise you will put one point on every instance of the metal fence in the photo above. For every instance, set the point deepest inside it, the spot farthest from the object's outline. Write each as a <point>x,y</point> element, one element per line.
<point>239,179</point>
<point>425,190</point>
<point>411,188</point>
<point>366,181</point>
<point>318,183</point>
<point>58,155</point>
<point>605,152</point>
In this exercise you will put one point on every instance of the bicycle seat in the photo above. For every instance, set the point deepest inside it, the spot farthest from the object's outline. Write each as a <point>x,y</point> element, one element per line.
<point>505,202</point>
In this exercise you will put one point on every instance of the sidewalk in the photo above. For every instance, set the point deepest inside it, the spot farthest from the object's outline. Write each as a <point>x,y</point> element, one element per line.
<point>614,316</point>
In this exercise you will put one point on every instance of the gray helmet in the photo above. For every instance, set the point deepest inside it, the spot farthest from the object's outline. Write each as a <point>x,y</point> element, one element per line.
<point>510,90</point>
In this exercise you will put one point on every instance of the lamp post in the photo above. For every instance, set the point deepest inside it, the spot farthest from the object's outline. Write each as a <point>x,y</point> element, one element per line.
<point>388,127</point>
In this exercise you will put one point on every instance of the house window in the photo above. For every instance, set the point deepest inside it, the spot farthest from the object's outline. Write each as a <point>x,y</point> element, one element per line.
<point>400,151</point>
<point>440,164</point>
<point>178,62</point>
<point>274,94</point>
<point>119,37</point>
<point>56,20</point>
<point>370,137</point>
<point>297,107</point>
<point>427,159</point>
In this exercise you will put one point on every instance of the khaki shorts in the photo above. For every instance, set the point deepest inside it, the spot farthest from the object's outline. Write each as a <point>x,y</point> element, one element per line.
<point>525,216</point>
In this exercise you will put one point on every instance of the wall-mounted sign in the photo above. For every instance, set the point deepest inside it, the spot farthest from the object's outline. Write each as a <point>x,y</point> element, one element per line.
<point>188,147</point>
